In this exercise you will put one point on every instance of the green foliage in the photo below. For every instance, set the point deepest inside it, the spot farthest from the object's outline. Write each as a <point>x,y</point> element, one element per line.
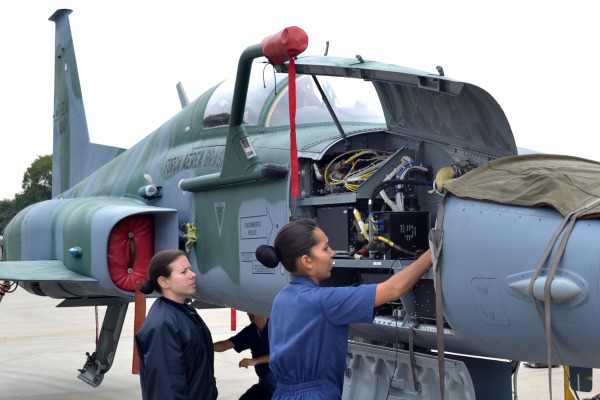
<point>36,185</point>
<point>7,211</point>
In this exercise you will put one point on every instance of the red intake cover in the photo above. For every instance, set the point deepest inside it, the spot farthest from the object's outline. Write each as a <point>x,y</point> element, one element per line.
<point>130,248</point>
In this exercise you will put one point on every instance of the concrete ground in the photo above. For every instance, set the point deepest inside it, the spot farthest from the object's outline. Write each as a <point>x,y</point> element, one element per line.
<point>41,348</point>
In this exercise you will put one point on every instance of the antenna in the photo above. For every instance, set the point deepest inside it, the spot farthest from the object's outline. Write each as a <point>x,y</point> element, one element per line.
<point>183,99</point>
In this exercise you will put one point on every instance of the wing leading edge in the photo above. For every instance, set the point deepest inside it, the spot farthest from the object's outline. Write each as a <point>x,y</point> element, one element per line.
<point>38,271</point>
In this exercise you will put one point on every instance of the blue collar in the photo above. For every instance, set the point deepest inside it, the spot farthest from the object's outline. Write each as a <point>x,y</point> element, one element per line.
<point>302,280</point>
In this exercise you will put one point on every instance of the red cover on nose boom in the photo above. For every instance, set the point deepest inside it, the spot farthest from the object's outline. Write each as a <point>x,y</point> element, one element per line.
<point>285,44</point>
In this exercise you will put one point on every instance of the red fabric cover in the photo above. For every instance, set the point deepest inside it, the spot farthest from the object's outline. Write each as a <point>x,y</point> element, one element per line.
<point>233,320</point>
<point>119,254</point>
<point>279,48</point>
<point>138,321</point>
<point>293,146</point>
<point>285,44</point>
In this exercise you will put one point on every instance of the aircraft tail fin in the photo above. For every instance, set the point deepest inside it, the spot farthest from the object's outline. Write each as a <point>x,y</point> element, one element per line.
<point>74,157</point>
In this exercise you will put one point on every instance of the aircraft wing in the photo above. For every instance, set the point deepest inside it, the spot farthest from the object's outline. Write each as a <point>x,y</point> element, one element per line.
<point>39,270</point>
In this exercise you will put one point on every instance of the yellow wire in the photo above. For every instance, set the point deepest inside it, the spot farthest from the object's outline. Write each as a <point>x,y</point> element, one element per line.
<point>361,177</point>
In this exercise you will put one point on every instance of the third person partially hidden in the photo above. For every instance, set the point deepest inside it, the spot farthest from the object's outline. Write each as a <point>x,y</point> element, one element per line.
<point>255,337</point>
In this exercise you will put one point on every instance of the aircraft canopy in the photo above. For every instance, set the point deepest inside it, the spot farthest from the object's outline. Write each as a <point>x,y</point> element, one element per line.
<point>426,106</point>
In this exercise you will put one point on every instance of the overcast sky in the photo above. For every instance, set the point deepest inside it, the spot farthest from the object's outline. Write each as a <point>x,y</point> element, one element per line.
<point>537,59</point>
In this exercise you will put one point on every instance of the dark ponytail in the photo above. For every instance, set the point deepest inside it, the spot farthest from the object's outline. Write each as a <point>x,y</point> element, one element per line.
<point>147,287</point>
<point>267,256</point>
<point>293,241</point>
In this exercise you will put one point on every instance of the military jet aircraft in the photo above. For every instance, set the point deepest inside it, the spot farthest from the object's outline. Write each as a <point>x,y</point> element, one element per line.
<point>389,161</point>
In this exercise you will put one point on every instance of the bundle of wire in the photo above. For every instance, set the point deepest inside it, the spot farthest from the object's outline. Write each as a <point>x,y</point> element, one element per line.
<point>352,168</point>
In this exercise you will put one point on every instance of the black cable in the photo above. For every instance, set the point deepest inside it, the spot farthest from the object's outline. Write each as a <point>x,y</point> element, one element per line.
<point>12,286</point>
<point>392,182</point>
<point>390,274</point>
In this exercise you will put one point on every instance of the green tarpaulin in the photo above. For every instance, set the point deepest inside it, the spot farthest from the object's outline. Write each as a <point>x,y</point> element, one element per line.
<point>565,183</point>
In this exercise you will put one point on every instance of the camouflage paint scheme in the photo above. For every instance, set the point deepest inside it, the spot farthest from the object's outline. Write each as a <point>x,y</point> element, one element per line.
<point>215,179</point>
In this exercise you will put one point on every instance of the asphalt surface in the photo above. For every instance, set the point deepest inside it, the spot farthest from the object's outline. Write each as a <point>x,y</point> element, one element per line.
<point>42,347</point>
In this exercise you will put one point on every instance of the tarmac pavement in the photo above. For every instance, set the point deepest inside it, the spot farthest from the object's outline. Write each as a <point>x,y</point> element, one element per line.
<point>42,347</point>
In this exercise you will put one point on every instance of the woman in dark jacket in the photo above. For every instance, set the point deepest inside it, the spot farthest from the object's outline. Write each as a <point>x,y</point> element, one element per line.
<point>174,344</point>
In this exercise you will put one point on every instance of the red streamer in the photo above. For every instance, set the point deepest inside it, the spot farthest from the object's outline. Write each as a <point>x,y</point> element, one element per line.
<point>293,146</point>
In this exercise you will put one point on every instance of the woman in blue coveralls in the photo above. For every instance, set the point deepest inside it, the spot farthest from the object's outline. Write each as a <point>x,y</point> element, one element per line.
<point>309,325</point>
<point>174,344</point>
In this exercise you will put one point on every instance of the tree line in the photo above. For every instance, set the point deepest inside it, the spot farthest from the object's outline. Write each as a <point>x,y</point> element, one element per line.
<point>36,185</point>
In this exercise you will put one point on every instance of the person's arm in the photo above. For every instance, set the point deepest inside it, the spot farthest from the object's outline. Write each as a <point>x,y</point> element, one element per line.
<point>223,345</point>
<point>251,362</point>
<point>403,281</point>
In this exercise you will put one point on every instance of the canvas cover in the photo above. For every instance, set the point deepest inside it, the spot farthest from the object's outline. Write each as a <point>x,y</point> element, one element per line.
<point>565,183</point>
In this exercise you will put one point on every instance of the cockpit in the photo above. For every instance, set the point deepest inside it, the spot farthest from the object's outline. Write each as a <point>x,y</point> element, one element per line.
<point>267,102</point>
